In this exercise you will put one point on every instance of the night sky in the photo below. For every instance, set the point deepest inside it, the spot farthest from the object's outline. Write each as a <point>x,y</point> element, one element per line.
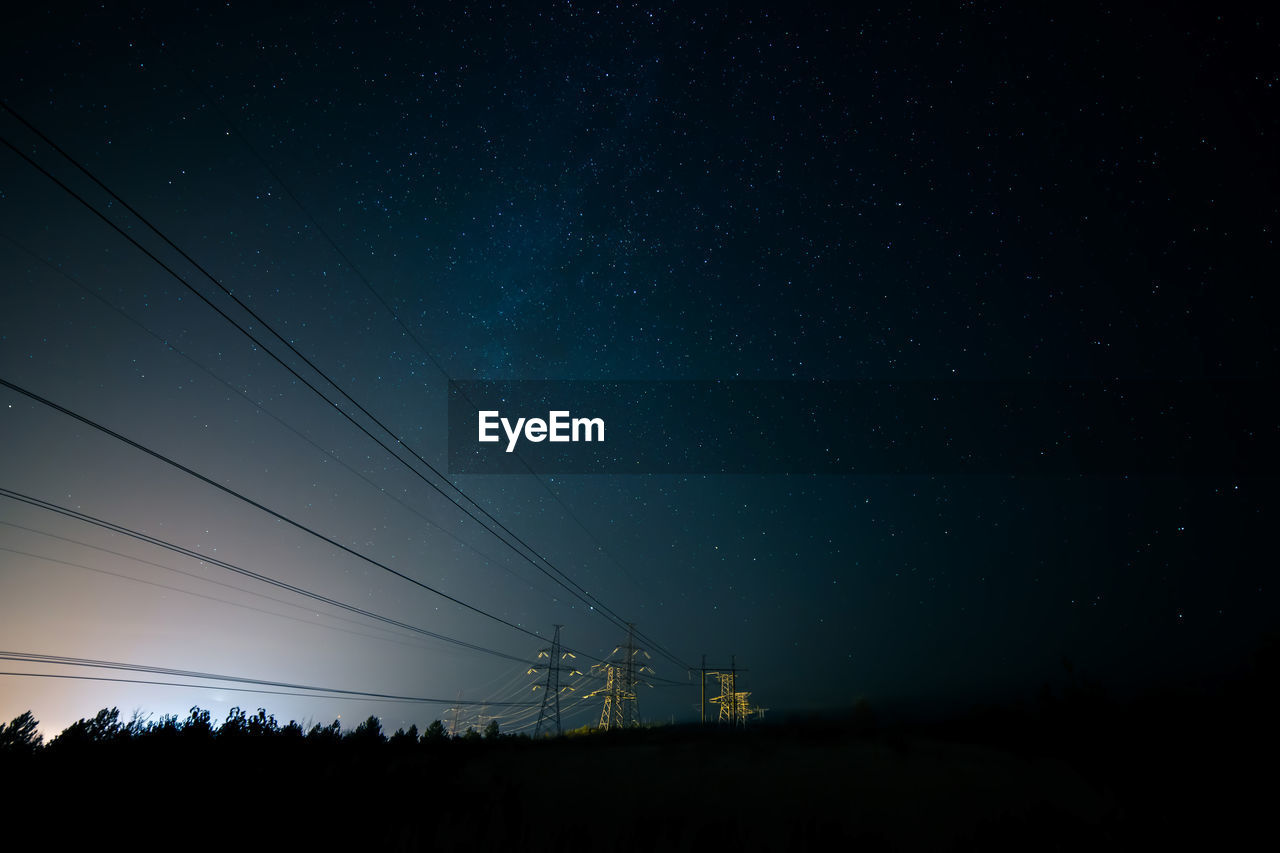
<point>418,194</point>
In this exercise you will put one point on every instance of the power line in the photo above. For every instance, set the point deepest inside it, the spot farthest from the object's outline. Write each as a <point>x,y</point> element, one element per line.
<point>422,347</point>
<point>258,343</point>
<point>300,378</point>
<point>220,688</point>
<point>58,660</point>
<point>204,558</point>
<point>202,595</point>
<point>257,405</point>
<point>196,555</point>
<point>649,679</point>
<point>579,592</point>
<point>140,560</point>
<point>296,375</point>
<point>230,491</point>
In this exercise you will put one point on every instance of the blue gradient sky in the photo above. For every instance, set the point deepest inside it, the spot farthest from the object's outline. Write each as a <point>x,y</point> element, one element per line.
<point>640,193</point>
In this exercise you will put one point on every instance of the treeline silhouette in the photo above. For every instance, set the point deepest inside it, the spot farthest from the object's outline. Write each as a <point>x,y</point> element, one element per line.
<point>21,737</point>
<point>1070,768</point>
<point>150,782</point>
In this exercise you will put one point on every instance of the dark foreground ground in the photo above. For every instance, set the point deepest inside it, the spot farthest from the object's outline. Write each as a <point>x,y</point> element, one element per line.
<point>1075,776</point>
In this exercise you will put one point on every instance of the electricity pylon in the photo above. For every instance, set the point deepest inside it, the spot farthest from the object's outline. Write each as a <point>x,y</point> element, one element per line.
<point>617,700</point>
<point>735,710</point>
<point>621,677</point>
<point>456,709</point>
<point>554,665</point>
<point>734,707</point>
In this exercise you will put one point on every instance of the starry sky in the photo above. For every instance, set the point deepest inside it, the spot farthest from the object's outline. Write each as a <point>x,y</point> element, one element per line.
<point>413,194</point>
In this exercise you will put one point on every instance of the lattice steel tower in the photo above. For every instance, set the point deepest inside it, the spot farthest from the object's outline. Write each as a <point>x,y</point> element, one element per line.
<point>734,707</point>
<point>621,677</point>
<point>554,657</point>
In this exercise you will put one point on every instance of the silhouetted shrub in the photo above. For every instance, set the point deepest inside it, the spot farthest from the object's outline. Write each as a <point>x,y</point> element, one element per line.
<point>165,727</point>
<point>235,725</point>
<point>197,725</point>
<point>263,724</point>
<point>20,736</point>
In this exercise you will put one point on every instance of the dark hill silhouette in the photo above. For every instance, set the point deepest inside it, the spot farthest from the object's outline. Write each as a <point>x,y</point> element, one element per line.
<point>1071,770</point>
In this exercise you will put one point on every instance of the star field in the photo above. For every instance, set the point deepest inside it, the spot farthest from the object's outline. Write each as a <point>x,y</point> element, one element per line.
<point>411,194</point>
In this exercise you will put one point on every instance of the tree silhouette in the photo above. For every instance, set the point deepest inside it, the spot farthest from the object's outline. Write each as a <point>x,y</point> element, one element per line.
<point>166,726</point>
<point>139,723</point>
<point>404,739</point>
<point>367,733</point>
<point>326,734</point>
<point>197,724</point>
<point>20,736</point>
<point>103,728</point>
<point>435,733</point>
<point>235,725</point>
<point>263,724</point>
<point>491,731</point>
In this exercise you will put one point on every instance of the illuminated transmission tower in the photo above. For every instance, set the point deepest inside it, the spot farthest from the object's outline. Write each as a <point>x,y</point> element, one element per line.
<point>455,710</point>
<point>735,710</point>
<point>621,677</point>
<point>554,665</point>
<point>734,707</point>
<point>617,700</point>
